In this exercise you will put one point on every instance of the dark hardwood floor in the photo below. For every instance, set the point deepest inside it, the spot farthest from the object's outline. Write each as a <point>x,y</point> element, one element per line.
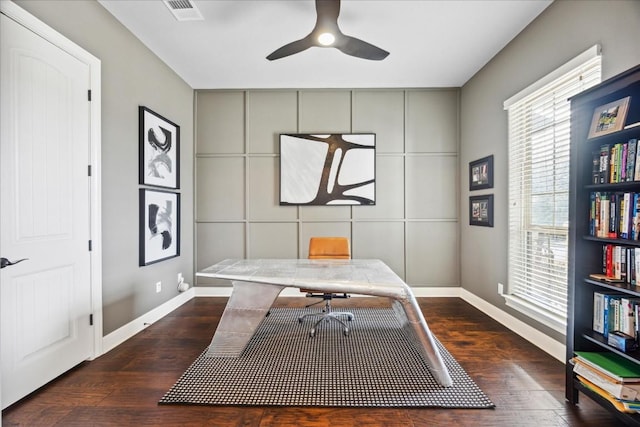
<point>122,387</point>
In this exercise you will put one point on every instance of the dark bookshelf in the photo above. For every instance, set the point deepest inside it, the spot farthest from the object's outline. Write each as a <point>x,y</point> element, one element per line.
<point>585,250</point>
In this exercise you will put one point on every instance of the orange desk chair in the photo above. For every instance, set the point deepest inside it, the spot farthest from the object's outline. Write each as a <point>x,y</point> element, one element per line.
<point>328,248</point>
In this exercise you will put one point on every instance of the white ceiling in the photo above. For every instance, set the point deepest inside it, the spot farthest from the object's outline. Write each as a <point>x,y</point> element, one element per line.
<point>433,43</point>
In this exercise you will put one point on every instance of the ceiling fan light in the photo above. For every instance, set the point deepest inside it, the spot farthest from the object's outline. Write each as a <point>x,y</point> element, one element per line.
<point>326,39</point>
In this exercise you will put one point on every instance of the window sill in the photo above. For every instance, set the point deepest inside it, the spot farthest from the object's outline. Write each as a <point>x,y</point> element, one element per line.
<point>557,323</point>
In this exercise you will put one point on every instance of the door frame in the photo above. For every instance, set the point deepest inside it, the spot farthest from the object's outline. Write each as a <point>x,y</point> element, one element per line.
<point>22,17</point>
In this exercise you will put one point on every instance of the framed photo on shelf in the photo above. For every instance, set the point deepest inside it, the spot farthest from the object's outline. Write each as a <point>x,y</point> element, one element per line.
<point>159,150</point>
<point>481,173</point>
<point>609,118</point>
<point>159,225</point>
<point>481,210</point>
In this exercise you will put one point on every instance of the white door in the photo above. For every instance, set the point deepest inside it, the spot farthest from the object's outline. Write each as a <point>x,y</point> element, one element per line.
<point>44,211</point>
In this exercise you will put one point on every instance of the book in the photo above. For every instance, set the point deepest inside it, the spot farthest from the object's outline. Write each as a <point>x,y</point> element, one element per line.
<point>616,389</point>
<point>631,406</point>
<point>627,208</point>
<point>604,278</point>
<point>609,261</point>
<point>614,207</point>
<point>627,316</point>
<point>595,174</point>
<point>623,163</point>
<point>615,402</point>
<point>637,165</point>
<point>610,300</point>
<point>604,164</point>
<point>631,161</point>
<point>598,312</point>
<point>634,216</point>
<point>615,366</point>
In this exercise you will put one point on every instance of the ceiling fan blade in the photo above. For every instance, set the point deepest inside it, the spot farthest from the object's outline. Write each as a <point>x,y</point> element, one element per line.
<point>359,48</point>
<point>291,48</point>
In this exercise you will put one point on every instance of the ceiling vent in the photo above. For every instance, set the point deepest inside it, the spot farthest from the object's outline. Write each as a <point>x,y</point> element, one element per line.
<point>184,10</point>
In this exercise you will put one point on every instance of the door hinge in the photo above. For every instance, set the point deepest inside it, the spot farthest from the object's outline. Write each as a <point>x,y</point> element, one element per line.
<point>89,94</point>
<point>89,170</point>
<point>91,320</point>
<point>89,245</point>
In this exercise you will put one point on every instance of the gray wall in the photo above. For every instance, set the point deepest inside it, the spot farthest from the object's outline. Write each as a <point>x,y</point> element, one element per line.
<point>562,31</point>
<point>414,225</point>
<point>131,76</point>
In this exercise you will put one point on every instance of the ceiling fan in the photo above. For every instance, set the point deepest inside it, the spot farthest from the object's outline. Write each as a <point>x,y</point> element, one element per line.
<point>326,33</point>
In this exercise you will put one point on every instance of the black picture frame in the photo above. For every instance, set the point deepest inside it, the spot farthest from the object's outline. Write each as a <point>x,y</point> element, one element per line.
<point>159,225</point>
<point>159,150</point>
<point>481,210</point>
<point>328,169</point>
<point>481,173</point>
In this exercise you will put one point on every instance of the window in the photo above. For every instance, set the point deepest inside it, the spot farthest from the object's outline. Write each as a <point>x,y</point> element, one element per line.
<point>539,131</point>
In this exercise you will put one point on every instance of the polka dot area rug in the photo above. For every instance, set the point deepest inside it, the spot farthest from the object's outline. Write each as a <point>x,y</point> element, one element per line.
<point>377,365</point>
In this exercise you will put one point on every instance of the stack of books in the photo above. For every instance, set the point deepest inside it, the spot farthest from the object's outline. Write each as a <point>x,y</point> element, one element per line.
<point>611,376</point>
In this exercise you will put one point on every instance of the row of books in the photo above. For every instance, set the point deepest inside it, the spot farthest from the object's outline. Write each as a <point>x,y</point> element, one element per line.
<point>620,264</point>
<point>611,376</point>
<point>615,163</point>
<point>618,314</point>
<point>614,215</point>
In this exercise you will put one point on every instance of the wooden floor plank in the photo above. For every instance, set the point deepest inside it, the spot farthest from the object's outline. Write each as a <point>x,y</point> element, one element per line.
<point>122,387</point>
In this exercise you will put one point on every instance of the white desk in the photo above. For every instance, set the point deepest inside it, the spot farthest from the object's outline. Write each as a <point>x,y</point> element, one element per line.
<point>258,282</point>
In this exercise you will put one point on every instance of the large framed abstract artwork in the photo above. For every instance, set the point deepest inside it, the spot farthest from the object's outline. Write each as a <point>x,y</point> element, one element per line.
<point>159,150</point>
<point>328,169</point>
<point>159,225</point>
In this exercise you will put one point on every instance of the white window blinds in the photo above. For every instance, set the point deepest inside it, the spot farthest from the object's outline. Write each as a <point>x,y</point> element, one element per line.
<point>539,128</point>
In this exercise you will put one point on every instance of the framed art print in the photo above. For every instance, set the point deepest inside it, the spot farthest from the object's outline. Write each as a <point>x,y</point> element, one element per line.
<point>159,150</point>
<point>481,210</point>
<point>159,225</point>
<point>609,118</point>
<point>481,173</point>
<point>327,169</point>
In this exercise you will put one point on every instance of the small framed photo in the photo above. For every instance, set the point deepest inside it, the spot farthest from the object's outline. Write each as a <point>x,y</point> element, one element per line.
<point>609,118</point>
<point>159,225</point>
<point>481,210</point>
<point>159,150</point>
<point>481,173</point>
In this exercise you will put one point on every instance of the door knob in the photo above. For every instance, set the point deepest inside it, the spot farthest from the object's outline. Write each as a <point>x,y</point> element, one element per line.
<point>6,263</point>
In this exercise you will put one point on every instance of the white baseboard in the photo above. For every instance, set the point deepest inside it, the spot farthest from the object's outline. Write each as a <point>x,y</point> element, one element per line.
<point>534,336</point>
<point>120,335</point>
<point>537,338</point>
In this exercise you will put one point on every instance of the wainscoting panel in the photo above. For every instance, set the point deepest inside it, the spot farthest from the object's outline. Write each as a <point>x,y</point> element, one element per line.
<point>414,225</point>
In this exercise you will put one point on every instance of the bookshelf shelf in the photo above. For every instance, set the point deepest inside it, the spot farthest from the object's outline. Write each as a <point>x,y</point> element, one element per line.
<point>622,242</point>
<point>632,290</point>
<point>628,419</point>
<point>586,249</point>
<point>599,340</point>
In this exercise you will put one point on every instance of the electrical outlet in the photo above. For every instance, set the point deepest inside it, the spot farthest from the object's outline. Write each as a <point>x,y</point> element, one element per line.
<point>158,286</point>
<point>500,289</point>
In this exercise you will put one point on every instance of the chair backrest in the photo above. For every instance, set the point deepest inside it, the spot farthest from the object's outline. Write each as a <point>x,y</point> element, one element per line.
<point>329,248</point>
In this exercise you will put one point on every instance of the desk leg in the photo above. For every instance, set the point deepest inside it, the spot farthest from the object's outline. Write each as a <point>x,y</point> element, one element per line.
<point>409,312</point>
<point>247,307</point>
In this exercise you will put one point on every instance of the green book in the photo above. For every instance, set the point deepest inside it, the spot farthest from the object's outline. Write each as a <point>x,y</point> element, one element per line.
<point>614,365</point>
